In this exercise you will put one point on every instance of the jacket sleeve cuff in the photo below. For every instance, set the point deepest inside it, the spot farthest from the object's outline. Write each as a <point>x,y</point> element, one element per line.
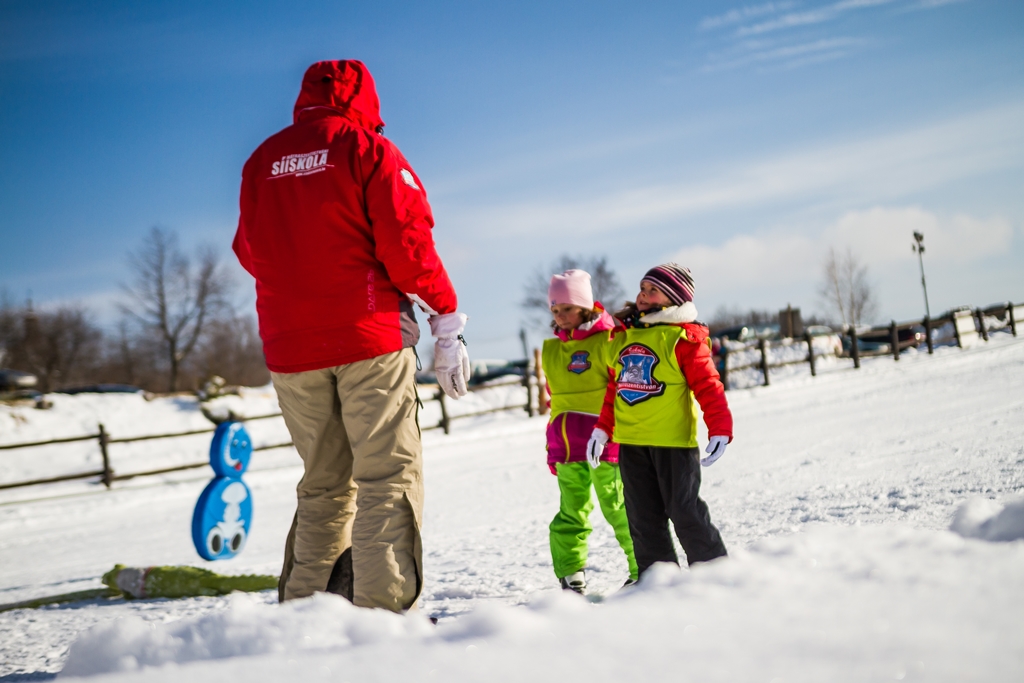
<point>447,325</point>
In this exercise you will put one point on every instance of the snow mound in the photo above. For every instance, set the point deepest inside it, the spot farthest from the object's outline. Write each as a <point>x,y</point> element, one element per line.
<point>245,629</point>
<point>836,604</point>
<point>990,521</point>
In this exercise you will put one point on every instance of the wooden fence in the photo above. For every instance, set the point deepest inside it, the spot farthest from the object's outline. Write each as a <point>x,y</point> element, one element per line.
<point>108,476</point>
<point>535,403</point>
<point>968,325</point>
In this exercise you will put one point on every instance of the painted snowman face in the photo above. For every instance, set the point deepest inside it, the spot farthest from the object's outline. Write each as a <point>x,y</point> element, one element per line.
<point>223,514</point>
<point>230,450</point>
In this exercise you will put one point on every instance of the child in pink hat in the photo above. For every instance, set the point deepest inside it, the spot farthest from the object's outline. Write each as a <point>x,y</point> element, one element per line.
<point>577,375</point>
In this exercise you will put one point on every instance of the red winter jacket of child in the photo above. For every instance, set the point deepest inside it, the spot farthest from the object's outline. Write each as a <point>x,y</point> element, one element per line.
<point>693,354</point>
<point>336,229</point>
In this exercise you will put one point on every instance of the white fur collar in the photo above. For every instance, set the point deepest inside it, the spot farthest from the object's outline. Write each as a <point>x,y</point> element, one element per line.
<point>686,313</point>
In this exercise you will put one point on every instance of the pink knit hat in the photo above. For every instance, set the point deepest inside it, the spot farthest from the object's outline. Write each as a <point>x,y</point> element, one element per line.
<point>571,287</point>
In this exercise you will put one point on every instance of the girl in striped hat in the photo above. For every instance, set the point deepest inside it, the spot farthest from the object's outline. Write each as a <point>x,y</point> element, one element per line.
<point>577,376</point>
<point>660,362</point>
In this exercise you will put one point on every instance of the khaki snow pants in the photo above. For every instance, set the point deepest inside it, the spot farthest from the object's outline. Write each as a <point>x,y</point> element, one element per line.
<point>356,430</point>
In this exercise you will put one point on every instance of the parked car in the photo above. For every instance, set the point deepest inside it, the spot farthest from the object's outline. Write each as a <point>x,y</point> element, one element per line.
<point>102,389</point>
<point>819,330</point>
<point>746,333</point>
<point>487,370</point>
<point>879,339</point>
<point>482,371</point>
<point>15,380</point>
<point>25,397</point>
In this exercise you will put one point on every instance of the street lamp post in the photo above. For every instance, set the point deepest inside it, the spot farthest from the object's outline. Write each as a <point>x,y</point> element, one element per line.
<point>919,248</point>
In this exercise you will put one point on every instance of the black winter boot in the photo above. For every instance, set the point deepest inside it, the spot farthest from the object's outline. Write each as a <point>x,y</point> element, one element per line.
<point>576,582</point>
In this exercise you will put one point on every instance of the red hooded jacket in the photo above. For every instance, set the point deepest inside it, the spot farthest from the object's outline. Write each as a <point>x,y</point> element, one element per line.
<point>336,229</point>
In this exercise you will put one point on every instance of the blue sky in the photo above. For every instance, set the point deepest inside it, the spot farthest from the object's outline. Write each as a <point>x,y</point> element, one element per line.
<point>742,140</point>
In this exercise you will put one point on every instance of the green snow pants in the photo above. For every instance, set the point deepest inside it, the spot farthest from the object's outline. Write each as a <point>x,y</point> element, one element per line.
<point>571,526</point>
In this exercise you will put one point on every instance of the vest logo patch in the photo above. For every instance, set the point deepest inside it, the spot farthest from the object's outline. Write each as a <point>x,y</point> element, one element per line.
<point>636,382</point>
<point>580,362</point>
<point>300,164</point>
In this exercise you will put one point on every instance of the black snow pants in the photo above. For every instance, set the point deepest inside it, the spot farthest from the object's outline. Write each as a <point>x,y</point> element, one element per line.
<point>662,484</point>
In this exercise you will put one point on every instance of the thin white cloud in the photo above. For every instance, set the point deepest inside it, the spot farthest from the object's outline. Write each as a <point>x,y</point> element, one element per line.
<point>742,14</point>
<point>783,20</point>
<point>747,261</point>
<point>883,234</point>
<point>813,16</point>
<point>787,261</point>
<point>932,4</point>
<point>786,56</point>
<point>875,170</point>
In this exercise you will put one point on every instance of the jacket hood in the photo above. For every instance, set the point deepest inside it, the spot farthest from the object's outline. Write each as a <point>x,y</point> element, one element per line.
<point>344,85</point>
<point>602,323</point>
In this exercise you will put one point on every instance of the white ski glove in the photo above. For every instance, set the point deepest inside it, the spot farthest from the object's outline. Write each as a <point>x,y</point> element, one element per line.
<point>451,360</point>
<point>715,450</point>
<point>595,447</point>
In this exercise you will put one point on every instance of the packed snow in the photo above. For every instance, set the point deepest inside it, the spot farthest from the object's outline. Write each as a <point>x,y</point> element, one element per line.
<point>874,520</point>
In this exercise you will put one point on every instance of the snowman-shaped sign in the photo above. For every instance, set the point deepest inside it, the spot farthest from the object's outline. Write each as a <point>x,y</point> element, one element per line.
<point>223,515</point>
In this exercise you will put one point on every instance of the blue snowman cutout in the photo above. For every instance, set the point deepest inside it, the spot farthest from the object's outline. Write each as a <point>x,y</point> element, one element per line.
<point>223,514</point>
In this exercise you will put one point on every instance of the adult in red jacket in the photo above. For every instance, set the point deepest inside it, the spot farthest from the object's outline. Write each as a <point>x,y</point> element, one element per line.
<point>336,229</point>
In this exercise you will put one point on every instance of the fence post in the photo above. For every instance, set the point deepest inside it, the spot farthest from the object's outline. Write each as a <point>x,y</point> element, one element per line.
<point>108,474</point>
<point>445,421</point>
<point>542,403</point>
<point>764,359</point>
<point>854,349</point>
<point>894,338</point>
<point>725,366</point>
<point>928,334</point>
<point>1013,323</point>
<point>810,352</point>
<point>529,392</point>
<point>981,323</point>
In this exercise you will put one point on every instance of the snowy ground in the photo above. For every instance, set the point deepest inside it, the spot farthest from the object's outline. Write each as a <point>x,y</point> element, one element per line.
<point>835,499</point>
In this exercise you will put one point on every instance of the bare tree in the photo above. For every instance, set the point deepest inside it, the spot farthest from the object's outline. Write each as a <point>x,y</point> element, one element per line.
<point>846,289</point>
<point>173,297</point>
<point>60,347</point>
<point>8,327</point>
<point>233,350</point>
<point>725,316</point>
<point>603,279</point>
<point>131,357</point>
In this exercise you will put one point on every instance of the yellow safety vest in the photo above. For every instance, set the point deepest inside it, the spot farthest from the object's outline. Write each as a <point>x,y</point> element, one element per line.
<point>653,403</point>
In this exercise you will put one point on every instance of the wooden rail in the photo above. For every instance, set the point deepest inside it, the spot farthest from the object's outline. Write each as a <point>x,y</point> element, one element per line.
<point>965,322</point>
<point>108,476</point>
<point>526,381</point>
